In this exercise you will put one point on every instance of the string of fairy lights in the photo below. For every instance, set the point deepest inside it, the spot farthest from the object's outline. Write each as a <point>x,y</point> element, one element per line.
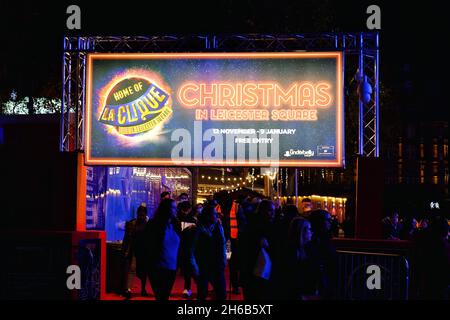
<point>232,183</point>
<point>228,183</point>
<point>210,184</point>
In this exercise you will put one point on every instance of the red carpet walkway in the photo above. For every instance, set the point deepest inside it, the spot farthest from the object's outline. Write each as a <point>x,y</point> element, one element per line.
<point>177,291</point>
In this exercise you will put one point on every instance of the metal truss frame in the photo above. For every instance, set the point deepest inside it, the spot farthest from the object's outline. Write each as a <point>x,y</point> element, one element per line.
<point>364,46</point>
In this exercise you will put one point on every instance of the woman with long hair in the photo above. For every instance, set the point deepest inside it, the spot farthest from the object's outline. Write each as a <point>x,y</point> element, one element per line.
<point>208,255</point>
<point>323,252</point>
<point>280,243</point>
<point>299,234</point>
<point>257,253</point>
<point>302,275</point>
<point>163,243</point>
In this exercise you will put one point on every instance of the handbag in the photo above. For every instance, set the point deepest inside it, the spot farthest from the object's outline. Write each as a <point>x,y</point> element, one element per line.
<point>263,266</point>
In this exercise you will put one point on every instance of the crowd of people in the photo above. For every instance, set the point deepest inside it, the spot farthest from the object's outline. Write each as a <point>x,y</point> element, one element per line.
<point>408,228</point>
<point>276,252</point>
<point>431,250</point>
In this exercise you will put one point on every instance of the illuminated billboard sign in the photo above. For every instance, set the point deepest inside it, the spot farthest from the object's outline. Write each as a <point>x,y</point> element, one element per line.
<point>221,109</point>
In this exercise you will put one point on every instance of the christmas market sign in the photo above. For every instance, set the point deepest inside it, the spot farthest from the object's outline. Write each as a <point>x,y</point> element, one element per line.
<point>222,109</point>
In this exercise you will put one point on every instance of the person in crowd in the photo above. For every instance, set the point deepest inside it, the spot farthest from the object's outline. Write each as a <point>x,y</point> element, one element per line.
<point>391,227</point>
<point>209,198</point>
<point>165,195</point>
<point>187,239</point>
<point>323,252</point>
<point>229,212</point>
<point>282,221</point>
<point>208,255</point>
<point>302,276</point>
<point>133,251</point>
<point>434,261</point>
<point>280,242</point>
<point>409,229</point>
<point>257,252</point>
<point>163,241</point>
<point>183,197</point>
<point>349,225</point>
<point>246,207</point>
<point>335,226</point>
<point>278,209</point>
<point>198,210</point>
<point>306,207</point>
<point>290,212</point>
<point>187,221</point>
<point>212,201</point>
<point>256,200</point>
<point>244,203</point>
<point>423,224</point>
<point>185,214</point>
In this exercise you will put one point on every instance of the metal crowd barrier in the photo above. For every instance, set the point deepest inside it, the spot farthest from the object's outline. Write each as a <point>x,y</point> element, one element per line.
<point>353,275</point>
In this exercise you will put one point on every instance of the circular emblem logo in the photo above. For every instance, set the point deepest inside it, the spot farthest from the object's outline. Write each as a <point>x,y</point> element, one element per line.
<point>135,105</point>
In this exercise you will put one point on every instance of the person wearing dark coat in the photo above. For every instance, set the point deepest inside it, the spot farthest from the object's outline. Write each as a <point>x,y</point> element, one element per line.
<point>281,227</point>
<point>188,221</point>
<point>323,252</point>
<point>392,227</point>
<point>163,241</point>
<point>133,251</point>
<point>208,255</point>
<point>302,275</point>
<point>232,220</point>
<point>409,229</point>
<point>258,240</point>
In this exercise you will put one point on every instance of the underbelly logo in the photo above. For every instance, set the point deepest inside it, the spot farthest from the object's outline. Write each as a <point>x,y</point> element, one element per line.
<point>304,153</point>
<point>135,105</point>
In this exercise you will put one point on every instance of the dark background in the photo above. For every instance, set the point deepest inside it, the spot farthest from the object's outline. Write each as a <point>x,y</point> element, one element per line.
<point>412,36</point>
<point>414,78</point>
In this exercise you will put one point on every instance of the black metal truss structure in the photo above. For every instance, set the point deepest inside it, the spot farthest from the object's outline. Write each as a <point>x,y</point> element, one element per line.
<point>364,47</point>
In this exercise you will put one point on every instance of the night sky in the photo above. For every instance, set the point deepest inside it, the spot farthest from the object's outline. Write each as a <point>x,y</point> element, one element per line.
<point>413,36</point>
